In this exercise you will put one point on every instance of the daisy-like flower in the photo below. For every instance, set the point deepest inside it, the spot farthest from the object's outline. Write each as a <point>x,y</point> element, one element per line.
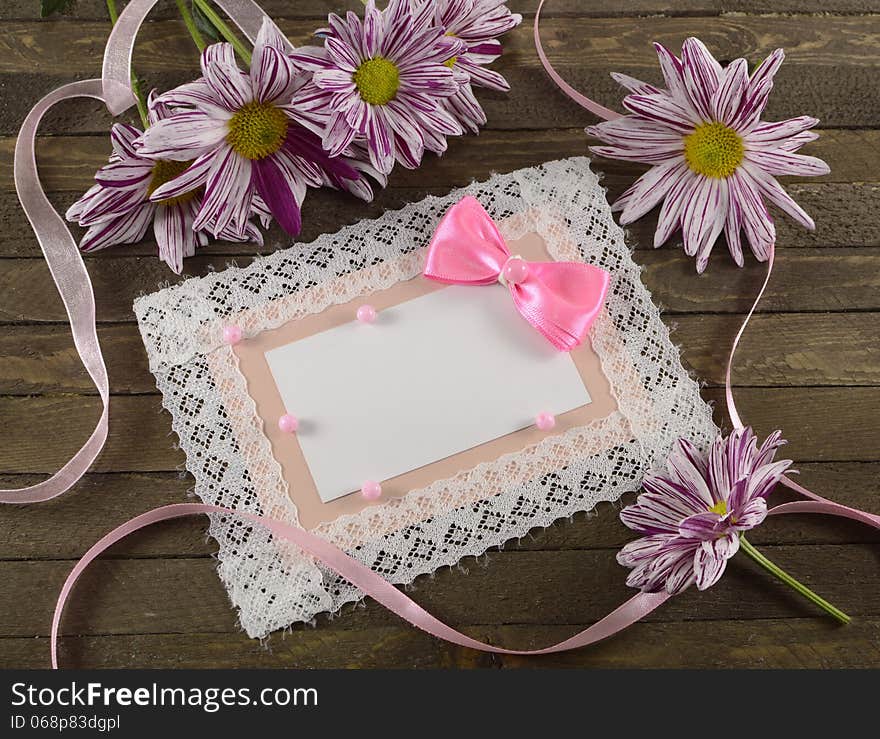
<point>245,140</point>
<point>118,209</point>
<point>714,161</point>
<point>691,517</point>
<point>384,79</point>
<point>478,23</point>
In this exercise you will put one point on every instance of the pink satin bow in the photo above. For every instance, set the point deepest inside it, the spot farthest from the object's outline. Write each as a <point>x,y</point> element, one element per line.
<point>560,299</point>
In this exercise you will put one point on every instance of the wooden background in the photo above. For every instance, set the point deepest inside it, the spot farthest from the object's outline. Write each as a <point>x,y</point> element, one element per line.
<point>810,364</point>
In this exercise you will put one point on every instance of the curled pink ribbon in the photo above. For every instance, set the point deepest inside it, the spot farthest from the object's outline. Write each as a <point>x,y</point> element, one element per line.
<point>75,289</point>
<point>560,299</point>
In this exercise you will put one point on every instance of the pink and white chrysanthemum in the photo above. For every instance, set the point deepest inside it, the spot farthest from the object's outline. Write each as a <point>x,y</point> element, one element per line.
<point>384,79</point>
<point>478,23</point>
<point>691,516</point>
<point>246,140</point>
<point>714,162</point>
<point>118,209</point>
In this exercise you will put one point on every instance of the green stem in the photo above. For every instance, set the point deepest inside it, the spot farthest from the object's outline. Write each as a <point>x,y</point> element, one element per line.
<point>190,24</point>
<point>135,84</point>
<point>224,30</point>
<point>834,611</point>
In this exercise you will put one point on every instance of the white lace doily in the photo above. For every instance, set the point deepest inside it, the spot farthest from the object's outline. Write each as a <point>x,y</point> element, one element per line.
<point>272,584</point>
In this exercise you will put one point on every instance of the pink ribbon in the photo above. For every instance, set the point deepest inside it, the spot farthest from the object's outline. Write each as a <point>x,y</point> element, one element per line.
<point>560,299</point>
<point>816,503</point>
<point>71,278</point>
<point>634,609</point>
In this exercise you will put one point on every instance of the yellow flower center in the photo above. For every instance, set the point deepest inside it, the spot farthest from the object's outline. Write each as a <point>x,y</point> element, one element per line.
<point>165,171</point>
<point>720,508</point>
<point>450,62</point>
<point>257,130</point>
<point>713,150</point>
<point>377,81</point>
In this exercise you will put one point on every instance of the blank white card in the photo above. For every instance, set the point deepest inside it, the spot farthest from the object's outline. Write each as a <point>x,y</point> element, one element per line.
<point>432,377</point>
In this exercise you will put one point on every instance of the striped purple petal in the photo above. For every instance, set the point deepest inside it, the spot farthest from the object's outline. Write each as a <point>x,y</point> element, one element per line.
<point>728,97</point>
<point>702,75</point>
<point>774,192</point>
<point>708,568</point>
<point>276,191</point>
<point>124,229</point>
<point>184,136</point>
<point>773,134</point>
<point>651,188</point>
<point>127,173</point>
<point>779,162</point>
<point>661,109</point>
<point>123,138</point>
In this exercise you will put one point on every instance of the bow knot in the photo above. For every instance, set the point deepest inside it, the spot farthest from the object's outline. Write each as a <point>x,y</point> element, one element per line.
<point>560,299</point>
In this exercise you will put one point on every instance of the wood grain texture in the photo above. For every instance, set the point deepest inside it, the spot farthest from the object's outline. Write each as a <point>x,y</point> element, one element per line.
<point>791,643</point>
<point>781,350</point>
<point>805,280</point>
<point>68,163</point>
<point>808,364</point>
<point>830,69</point>
<point>829,424</point>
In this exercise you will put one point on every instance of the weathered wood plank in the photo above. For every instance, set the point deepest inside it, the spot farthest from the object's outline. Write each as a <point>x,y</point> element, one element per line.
<point>830,70</point>
<point>137,596</point>
<point>68,163</point>
<point>838,208</point>
<point>68,526</point>
<point>97,9</point>
<point>806,643</point>
<point>822,424</point>
<point>804,280</point>
<point>779,350</point>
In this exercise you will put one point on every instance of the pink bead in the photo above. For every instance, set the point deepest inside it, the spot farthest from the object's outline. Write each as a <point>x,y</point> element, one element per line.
<point>545,421</point>
<point>232,334</point>
<point>371,490</point>
<point>366,314</point>
<point>516,270</point>
<point>288,424</point>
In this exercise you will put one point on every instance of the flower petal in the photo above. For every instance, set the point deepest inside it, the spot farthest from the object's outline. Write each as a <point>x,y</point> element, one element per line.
<point>728,97</point>
<point>123,138</point>
<point>703,526</point>
<point>641,550</point>
<point>127,173</point>
<point>191,178</point>
<point>662,109</point>
<point>280,194</point>
<point>772,134</point>
<point>229,84</point>
<point>673,207</point>
<point>756,220</point>
<point>228,192</point>
<point>708,568</point>
<point>272,75</point>
<point>779,162</point>
<point>174,236</point>
<point>125,229</point>
<point>773,191</point>
<point>702,74</point>
<point>703,218</point>
<point>651,188</point>
<point>751,515</point>
<point>634,85</point>
<point>184,136</point>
